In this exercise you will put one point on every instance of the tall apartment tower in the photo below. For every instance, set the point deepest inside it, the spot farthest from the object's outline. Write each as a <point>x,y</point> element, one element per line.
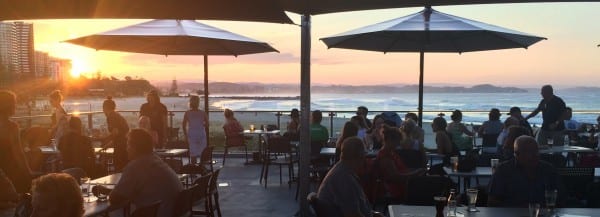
<point>16,51</point>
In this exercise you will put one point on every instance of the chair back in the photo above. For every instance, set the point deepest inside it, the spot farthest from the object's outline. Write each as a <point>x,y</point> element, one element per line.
<point>322,208</point>
<point>489,140</point>
<point>412,158</point>
<point>183,202</point>
<point>234,139</point>
<point>557,160</point>
<point>576,180</point>
<point>203,183</point>
<point>212,186</point>
<point>207,155</point>
<point>279,145</point>
<point>420,190</point>
<point>147,211</point>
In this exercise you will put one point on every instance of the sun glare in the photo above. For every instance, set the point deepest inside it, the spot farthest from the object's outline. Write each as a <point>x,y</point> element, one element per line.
<point>80,67</point>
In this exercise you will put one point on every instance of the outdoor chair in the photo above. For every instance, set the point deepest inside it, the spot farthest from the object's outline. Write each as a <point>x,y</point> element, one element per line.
<point>213,194</point>
<point>412,158</point>
<point>183,203</point>
<point>279,152</point>
<point>201,194</point>
<point>489,140</point>
<point>576,180</point>
<point>173,134</point>
<point>206,158</point>
<point>175,164</point>
<point>420,190</point>
<point>235,140</point>
<point>147,211</point>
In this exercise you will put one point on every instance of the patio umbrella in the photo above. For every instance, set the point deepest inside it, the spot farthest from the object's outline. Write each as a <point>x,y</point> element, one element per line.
<point>175,37</point>
<point>239,10</point>
<point>430,31</point>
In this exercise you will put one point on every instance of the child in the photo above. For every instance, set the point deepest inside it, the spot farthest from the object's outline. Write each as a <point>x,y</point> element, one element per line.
<point>194,122</point>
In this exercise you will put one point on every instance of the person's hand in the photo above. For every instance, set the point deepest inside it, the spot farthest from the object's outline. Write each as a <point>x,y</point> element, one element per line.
<point>99,188</point>
<point>378,214</point>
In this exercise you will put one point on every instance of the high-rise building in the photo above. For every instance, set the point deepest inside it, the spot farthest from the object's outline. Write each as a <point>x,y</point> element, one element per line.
<point>16,51</point>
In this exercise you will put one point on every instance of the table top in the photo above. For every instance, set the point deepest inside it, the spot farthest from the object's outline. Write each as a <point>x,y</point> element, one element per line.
<point>487,171</point>
<point>573,149</point>
<point>259,132</point>
<point>113,179</point>
<point>170,152</point>
<point>327,151</point>
<point>422,211</point>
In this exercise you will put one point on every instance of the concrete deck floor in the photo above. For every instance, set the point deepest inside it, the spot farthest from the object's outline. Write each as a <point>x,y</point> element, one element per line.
<point>245,196</point>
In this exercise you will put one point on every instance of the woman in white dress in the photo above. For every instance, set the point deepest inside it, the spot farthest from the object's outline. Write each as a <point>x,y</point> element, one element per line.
<point>194,123</point>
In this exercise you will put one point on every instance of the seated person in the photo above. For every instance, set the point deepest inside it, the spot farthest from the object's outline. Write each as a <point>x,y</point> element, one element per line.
<point>461,136</point>
<point>8,194</point>
<point>443,140</point>
<point>350,130</point>
<point>233,130</point>
<point>341,189</point>
<point>521,181</point>
<point>392,168</point>
<point>412,134</point>
<point>493,126</point>
<point>570,124</point>
<point>362,126</point>
<point>374,136</point>
<point>412,116</point>
<point>56,194</point>
<point>318,133</point>
<point>507,149</point>
<point>146,178</point>
<point>76,149</point>
<point>293,127</point>
<point>510,121</point>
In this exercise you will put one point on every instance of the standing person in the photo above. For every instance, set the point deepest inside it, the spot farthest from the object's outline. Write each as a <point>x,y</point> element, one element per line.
<point>552,108</point>
<point>363,111</point>
<point>194,125</point>
<point>60,122</point>
<point>12,158</point>
<point>157,112</point>
<point>118,128</point>
<point>144,123</point>
<point>318,133</point>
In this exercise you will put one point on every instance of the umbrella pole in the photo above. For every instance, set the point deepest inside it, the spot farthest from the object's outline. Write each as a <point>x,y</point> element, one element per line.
<point>422,58</point>
<point>206,128</point>
<point>303,179</point>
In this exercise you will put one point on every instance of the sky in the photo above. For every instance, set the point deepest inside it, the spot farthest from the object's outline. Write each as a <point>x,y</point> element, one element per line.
<point>570,56</point>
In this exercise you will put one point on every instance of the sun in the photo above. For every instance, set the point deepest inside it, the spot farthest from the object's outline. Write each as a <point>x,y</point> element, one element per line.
<point>79,67</point>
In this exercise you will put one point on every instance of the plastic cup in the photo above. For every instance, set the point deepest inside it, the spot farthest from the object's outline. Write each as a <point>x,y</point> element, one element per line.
<point>454,162</point>
<point>494,163</point>
<point>252,127</point>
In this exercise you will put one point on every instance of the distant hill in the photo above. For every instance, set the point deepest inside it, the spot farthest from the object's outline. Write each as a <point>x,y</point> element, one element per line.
<point>246,88</point>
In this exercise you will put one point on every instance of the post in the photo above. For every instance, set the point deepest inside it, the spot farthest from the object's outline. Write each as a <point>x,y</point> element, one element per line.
<point>422,58</point>
<point>331,115</point>
<point>90,122</point>
<point>303,179</point>
<point>206,128</point>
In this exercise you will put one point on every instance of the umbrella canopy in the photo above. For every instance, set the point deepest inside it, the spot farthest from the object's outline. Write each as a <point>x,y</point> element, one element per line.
<point>430,31</point>
<point>175,37</point>
<point>239,10</point>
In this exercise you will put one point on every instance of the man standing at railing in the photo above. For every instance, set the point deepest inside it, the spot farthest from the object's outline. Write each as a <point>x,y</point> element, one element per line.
<point>157,112</point>
<point>552,108</point>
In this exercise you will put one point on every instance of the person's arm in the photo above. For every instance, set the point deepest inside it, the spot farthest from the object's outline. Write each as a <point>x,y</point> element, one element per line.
<point>464,129</point>
<point>535,112</point>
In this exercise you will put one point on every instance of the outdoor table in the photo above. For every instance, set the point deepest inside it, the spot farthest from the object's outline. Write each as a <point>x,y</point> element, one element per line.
<point>567,149</point>
<point>171,153</point>
<point>113,179</point>
<point>466,176</point>
<point>422,211</point>
<point>432,155</point>
<point>96,208</point>
<point>262,151</point>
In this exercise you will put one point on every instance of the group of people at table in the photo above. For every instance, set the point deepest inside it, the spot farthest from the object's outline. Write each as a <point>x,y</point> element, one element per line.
<point>519,179</point>
<point>145,178</point>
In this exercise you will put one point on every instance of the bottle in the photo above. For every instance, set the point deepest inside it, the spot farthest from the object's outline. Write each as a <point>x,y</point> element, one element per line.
<point>452,203</point>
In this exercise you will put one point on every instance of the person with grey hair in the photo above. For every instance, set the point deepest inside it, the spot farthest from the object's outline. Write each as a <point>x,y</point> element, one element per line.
<point>341,188</point>
<point>157,112</point>
<point>553,109</point>
<point>524,179</point>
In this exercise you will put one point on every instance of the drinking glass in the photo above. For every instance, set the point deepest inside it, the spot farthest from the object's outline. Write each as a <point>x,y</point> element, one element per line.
<point>440,203</point>
<point>494,163</point>
<point>83,183</point>
<point>550,142</point>
<point>472,196</point>
<point>550,196</point>
<point>454,161</point>
<point>252,127</point>
<point>534,209</point>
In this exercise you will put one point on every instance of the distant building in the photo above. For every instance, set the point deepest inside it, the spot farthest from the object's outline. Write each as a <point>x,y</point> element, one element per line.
<point>59,69</point>
<point>42,64</point>
<point>16,51</point>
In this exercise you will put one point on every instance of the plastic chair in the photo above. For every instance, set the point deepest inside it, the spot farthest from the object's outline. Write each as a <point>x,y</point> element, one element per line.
<point>147,211</point>
<point>576,180</point>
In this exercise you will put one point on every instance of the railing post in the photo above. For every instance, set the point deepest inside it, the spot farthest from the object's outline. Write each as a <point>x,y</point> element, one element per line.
<point>90,121</point>
<point>278,114</point>
<point>331,115</point>
<point>171,119</point>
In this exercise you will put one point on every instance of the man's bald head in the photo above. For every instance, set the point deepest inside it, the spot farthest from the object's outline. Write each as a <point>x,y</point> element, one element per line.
<point>526,151</point>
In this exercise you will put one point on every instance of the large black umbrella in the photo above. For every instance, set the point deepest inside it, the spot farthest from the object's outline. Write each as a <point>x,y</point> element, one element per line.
<point>175,37</point>
<point>238,10</point>
<point>430,31</point>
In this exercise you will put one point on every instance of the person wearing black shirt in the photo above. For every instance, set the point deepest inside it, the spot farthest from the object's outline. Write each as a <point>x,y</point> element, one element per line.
<point>552,108</point>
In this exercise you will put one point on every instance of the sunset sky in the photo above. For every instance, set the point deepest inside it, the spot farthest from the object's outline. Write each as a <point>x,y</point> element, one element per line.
<point>570,56</point>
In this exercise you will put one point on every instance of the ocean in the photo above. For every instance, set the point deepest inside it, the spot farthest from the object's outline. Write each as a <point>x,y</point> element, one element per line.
<point>585,104</point>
